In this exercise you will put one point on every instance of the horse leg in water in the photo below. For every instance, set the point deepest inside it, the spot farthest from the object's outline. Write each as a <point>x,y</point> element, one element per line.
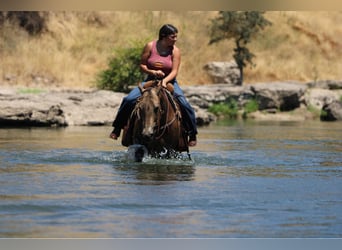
<point>136,152</point>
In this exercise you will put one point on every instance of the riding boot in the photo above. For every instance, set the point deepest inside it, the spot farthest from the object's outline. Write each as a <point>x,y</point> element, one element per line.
<point>192,137</point>
<point>126,107</point>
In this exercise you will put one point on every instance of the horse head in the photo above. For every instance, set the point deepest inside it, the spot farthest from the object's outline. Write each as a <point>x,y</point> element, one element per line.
<point>149,112</point>
<point>156,123</point>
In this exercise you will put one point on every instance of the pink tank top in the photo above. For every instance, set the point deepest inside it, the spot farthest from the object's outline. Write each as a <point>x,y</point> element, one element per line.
<point>158,62</point>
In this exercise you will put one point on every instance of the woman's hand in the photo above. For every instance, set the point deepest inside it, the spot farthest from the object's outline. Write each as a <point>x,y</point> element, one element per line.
<point>158,73</point>
<point>164,84</point>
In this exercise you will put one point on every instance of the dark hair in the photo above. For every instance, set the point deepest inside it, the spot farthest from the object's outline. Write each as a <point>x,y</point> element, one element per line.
<point>166,30</point>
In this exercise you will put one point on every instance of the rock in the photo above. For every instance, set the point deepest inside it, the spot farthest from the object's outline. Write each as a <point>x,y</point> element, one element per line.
<point>99,107</point>
<point>332,111</point>
<point>203,117</point>
<point>93,108</point>
<point>284,96</point>
<point>299,114</point>
<point>223,72</point>
<point>317,97</point>
<point>205,96</point>
<point>327,84</point>
<point>66,108</point>
<point>58,108</point>
<point>55,116</point>
<point>20,117</point>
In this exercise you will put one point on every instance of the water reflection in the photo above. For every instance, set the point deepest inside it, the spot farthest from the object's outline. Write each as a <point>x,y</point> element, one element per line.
<point>159,171</point>
<point>165,173</point>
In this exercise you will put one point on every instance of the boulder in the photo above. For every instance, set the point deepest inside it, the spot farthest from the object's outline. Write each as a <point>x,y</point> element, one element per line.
<point>223,72</point>
<point>284,96</point>
<point>21,117</point>
<point>203,117</point>
<point>58,108</point>
<point>204,96</point>
<point>317,97</point>
<point>332,111</point>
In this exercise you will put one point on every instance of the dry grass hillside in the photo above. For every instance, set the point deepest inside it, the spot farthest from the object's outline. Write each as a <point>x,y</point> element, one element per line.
<point>75,46</point>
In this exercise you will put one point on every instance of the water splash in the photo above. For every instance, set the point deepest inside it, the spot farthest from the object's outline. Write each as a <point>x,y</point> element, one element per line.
<point>136,153</point>
<point>139,153</point>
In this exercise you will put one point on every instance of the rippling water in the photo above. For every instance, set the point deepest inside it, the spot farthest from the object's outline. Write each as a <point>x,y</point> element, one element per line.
<point>255,179</point>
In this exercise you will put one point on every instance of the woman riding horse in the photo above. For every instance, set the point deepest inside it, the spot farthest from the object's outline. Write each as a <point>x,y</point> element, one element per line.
<point>160,59</point>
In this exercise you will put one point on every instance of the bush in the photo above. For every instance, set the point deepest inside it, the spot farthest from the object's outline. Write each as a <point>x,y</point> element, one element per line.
<point>230,108</point>
<point>123,70</point>
<point>251,106</point>
<point>225,109</point>
<point>32,21</point>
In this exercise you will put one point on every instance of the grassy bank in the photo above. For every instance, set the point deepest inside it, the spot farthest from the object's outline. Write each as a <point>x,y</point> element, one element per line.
<point>302,46</point>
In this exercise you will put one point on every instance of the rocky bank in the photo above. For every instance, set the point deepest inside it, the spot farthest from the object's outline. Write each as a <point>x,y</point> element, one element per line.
<point>277,101</point>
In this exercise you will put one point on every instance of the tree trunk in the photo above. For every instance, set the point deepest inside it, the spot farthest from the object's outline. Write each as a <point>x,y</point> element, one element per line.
<point>239,59</point>
<point>241,75</point>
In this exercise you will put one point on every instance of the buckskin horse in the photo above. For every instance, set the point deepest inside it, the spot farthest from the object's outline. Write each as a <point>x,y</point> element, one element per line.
<point>156,123</point>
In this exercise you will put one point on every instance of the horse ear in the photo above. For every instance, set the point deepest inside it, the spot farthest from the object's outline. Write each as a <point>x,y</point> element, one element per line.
<point>148,84</point>
<point>151,84</point>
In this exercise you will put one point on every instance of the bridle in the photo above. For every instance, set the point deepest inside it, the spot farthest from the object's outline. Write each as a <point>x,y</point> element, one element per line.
<point>161,126</point>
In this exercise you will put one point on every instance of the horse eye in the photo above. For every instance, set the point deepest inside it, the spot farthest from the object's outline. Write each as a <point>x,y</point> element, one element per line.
<point>156,109</point>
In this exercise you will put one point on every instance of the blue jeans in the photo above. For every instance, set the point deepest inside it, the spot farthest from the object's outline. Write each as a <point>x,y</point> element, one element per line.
<point>128,103</point>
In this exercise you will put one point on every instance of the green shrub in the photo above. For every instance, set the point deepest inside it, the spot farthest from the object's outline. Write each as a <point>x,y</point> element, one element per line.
<point>225,109</point>
<point>251,106</point>
<point>123,69</point>
<point>324,115</point>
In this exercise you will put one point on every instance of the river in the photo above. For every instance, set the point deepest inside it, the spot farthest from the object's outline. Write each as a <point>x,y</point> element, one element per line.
<point>244,180</point>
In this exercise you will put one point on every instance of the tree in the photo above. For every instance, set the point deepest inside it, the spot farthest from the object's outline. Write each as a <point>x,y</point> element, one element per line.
<point>241,26</point>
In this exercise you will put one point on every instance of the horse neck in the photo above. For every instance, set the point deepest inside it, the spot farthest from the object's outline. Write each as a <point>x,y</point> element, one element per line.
<point>164,102</point>
<point>171,110</point>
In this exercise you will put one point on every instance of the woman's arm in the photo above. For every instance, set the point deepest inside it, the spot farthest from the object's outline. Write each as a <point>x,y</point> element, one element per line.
<point>176,59</point>
<point>143,63</point>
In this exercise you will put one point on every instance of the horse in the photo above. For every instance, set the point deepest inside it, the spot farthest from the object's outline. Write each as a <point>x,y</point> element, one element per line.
<point>156,123</point>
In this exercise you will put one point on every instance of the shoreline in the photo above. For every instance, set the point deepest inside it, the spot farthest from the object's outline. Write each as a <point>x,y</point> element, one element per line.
<point>30,106</point>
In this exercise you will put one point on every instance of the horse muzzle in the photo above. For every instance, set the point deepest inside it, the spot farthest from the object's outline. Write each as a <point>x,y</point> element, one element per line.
<point>148,137</point>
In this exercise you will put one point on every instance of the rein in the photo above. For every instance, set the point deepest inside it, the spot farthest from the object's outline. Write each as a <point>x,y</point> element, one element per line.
<point>167,124</point>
